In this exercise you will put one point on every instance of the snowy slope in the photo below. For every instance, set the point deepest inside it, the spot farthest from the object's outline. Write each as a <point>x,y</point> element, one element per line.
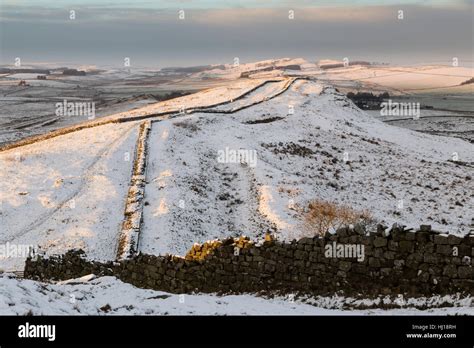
<point>204,98</point>
<point>192,197</point>
<point>67,192</point>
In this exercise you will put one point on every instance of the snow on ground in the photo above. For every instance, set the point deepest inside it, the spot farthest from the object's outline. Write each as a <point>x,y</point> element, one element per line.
<point>233,71</point>
<point>188,198</point>
<point>258,95</point>
<point>401,79</point>
<point>31,110</point>
<point>300,139</point>
<point>458,126</point>
<point>85,169</point>
<point>434,122</point>
<point>67,192</point>
<point>204,98</point>
<point>192,197</point>
<point>109,296</point>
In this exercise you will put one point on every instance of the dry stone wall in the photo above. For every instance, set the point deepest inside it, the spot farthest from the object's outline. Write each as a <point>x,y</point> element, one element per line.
<point>130,232</point>
<point>352,262</point>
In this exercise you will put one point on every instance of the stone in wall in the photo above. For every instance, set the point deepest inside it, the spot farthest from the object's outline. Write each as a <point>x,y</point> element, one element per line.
<point>388,261</point>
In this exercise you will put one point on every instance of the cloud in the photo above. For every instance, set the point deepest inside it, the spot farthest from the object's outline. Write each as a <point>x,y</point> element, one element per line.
<point>238,17</point>
<point>107,35</point>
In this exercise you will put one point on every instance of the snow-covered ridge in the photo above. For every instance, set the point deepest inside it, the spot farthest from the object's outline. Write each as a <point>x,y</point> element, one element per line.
<point>191,197</point>
<point>213,97</point>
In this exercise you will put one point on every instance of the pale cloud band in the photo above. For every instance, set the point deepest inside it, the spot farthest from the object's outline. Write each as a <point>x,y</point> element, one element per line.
<point>151,33</point>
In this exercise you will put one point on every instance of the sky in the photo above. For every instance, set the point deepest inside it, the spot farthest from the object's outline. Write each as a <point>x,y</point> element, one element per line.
<point>151,34</point>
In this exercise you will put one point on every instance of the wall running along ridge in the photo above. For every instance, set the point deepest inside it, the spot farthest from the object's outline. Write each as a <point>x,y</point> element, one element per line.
<point>130,232</point>
<point>114,119</point>
<point>396,261</point>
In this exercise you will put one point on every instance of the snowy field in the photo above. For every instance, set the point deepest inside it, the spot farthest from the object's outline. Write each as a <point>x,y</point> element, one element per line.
<point>402,80</point>
<point>109,296</point>
<point>445,123</point>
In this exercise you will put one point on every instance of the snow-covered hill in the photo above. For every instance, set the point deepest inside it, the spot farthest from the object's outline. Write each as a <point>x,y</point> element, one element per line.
<point>309,143</point>
<point>396,174</point>
<point>302,140</point>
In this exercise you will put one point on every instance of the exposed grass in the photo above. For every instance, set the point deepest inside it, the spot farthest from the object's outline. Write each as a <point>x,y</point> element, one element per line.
<point>322,216</point>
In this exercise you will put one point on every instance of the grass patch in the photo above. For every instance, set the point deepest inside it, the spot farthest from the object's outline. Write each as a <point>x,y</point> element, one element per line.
<point>323,216</point>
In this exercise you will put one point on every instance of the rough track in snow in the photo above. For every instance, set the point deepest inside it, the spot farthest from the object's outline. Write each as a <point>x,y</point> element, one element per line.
<point>189,197</point>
